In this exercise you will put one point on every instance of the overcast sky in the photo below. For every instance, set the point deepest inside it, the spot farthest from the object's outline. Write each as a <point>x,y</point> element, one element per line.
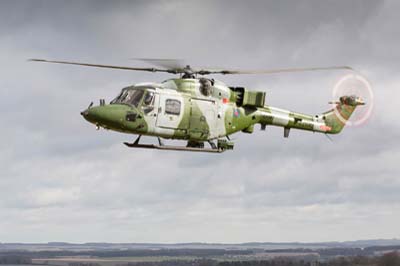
<point>61,180</point>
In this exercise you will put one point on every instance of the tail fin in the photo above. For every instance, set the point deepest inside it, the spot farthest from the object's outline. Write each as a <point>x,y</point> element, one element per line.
<point>336,118</point>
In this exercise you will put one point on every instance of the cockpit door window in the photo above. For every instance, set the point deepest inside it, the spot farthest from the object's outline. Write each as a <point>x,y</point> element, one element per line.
<point>148,98</point>
<point>148,102</point>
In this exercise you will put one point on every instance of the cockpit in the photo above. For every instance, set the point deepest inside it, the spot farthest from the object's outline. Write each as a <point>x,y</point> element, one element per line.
<point>135,96</point>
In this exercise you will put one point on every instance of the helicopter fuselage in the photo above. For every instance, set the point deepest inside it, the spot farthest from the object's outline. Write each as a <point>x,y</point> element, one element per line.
<point>203,109</point>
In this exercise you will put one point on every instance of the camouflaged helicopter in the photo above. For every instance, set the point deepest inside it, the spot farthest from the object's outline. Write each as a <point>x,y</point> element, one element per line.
<point>199,109</point>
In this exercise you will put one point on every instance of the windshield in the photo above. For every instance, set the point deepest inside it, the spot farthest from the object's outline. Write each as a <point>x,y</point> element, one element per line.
<point>129,96</point>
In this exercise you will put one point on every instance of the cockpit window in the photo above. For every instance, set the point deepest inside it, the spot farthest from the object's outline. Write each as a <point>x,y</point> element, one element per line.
<point>135,97</point>
<point>129,96</point>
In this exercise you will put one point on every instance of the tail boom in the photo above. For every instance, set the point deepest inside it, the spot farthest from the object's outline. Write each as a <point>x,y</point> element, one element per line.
<point>331,122</point>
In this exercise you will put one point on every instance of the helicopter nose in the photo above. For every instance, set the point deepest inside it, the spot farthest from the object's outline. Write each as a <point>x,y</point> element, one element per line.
<point>92,114</point>
<point>114,117</point>
<point>85,113</point>
<point>106,116</point>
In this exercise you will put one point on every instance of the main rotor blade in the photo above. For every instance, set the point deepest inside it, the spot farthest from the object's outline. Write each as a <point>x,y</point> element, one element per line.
<point>270,71</point>
<point>107,66</point>
<point>179,69</point>
<point>168,63</point>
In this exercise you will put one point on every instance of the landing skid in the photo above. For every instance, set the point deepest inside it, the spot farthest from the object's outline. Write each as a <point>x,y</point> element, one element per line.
<point>172,148</point>
<point>161,146</point>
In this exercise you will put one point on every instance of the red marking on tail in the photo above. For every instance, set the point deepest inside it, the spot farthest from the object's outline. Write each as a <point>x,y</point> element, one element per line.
<point>325,128</point>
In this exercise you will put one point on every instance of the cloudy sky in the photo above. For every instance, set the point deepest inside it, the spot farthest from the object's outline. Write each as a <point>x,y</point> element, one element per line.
<point>61,180</point>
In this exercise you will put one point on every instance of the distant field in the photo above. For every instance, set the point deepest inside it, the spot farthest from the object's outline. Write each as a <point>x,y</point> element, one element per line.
<point>18,265</point>
<point>64,261</point>
<point>111,261</point>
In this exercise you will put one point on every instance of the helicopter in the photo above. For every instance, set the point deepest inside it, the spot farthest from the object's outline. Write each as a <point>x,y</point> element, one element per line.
<point>198,109</point>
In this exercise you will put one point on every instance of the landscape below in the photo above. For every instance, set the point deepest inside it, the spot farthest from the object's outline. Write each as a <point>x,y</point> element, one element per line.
<point>368,252</point>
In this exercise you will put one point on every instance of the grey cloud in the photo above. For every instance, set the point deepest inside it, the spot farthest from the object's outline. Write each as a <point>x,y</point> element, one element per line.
<point>62,180</point>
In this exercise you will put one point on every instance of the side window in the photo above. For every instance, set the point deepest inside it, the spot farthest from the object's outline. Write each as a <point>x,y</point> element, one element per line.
<point>172,107</point>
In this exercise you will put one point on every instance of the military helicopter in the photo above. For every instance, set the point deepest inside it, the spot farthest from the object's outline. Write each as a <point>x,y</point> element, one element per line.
<point>198,109</point>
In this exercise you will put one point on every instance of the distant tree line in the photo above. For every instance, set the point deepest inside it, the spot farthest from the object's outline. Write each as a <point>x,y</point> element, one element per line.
<point>388,259</point>
<point>329,252</point>
<point>196,262</point>
<point>14,259</point>
<point>135,253</point>
<point>78,263</point>
<point>382,248</point>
